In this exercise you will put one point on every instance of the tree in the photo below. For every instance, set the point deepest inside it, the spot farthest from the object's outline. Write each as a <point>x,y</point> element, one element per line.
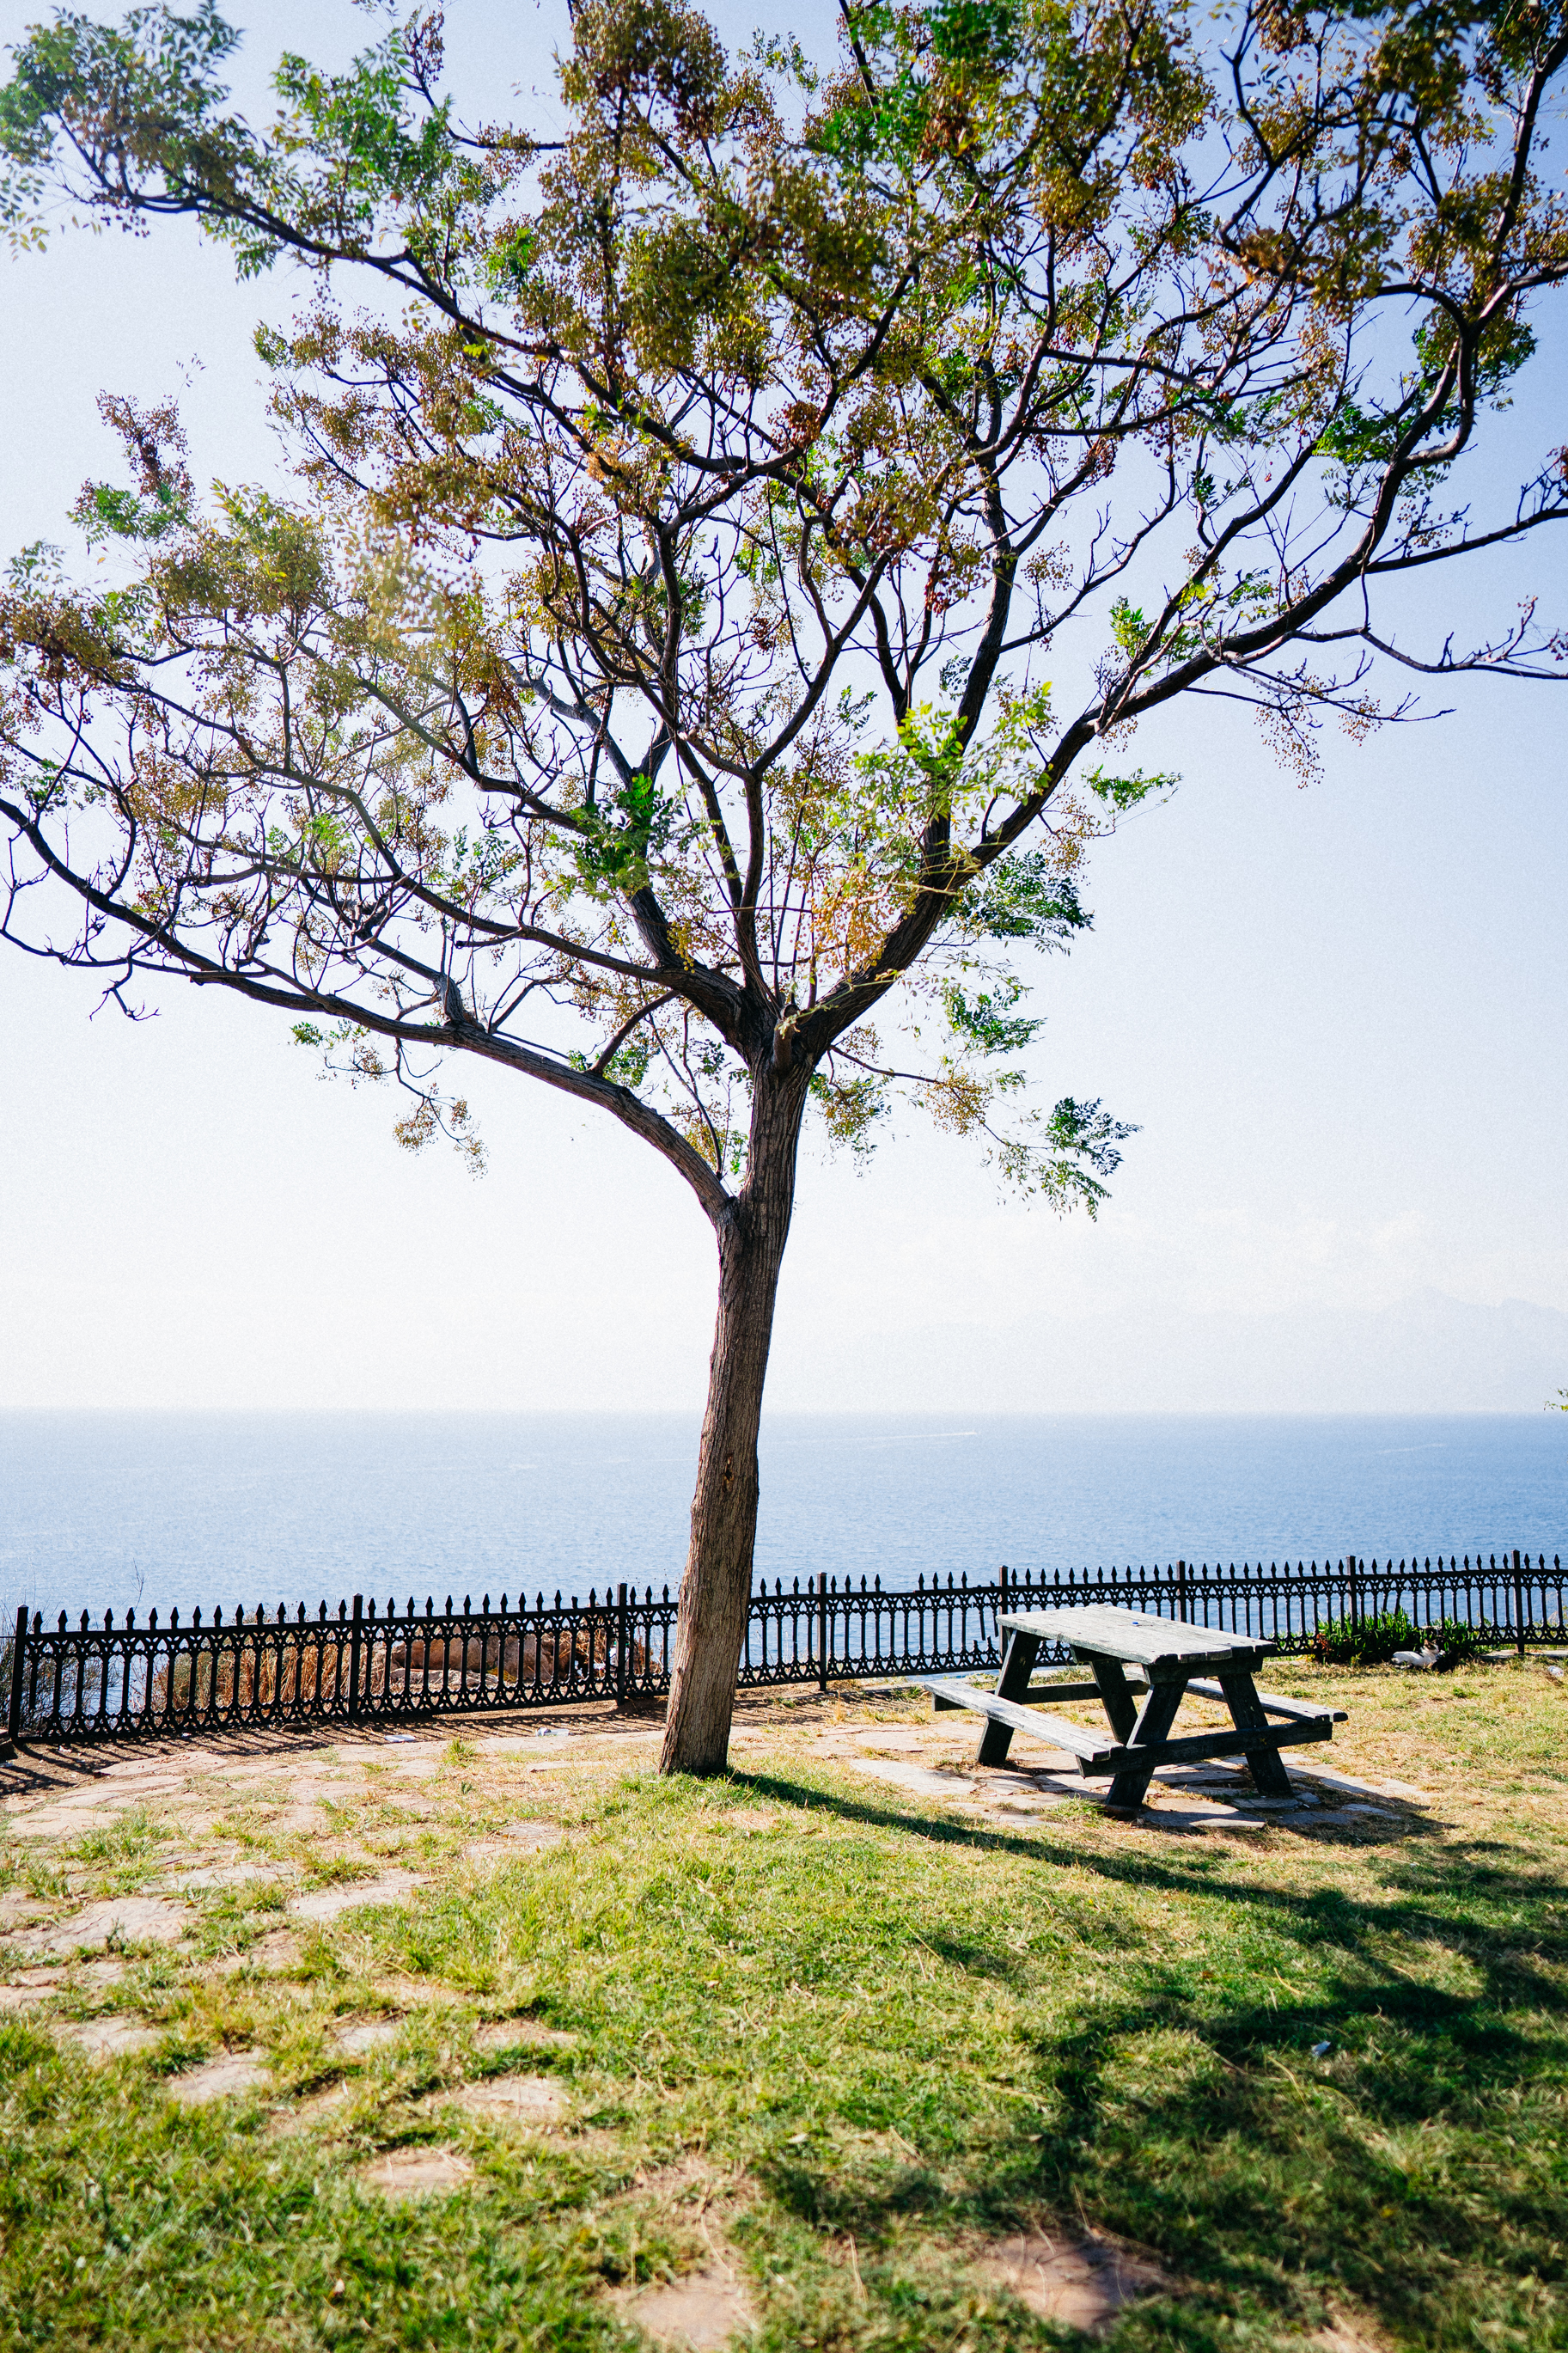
<point>645,690</point>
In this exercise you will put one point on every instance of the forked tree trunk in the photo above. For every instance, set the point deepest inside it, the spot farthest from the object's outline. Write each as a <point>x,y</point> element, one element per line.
<point>716,1590</point>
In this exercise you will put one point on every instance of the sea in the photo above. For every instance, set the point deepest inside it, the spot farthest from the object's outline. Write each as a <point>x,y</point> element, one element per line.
<point>119,1510</point>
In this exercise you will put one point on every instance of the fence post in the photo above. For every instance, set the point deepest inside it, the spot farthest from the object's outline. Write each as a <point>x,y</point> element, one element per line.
<point>14,1714</point>
<point>354,1654</point>
<point>1181,1588</point>
<point>1517,1606</point>
<point>822,1629</point>
<point>1352,1596</point>
<point>621,1645</point>
<point>1001,1605</point>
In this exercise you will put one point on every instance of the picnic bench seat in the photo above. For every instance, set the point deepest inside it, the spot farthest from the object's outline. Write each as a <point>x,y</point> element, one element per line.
<point>1164,1656</point>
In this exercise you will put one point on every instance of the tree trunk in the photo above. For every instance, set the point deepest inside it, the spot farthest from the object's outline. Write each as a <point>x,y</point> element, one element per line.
<point>716,1590</point>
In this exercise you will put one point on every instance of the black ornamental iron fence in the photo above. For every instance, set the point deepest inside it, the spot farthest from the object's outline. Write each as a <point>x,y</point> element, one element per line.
<point>381,1666</point>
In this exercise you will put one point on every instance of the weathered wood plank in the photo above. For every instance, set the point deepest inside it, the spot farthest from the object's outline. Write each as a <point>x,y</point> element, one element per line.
<point>1146,1744</point>
<point>1055,1730</point>
<point>1017,1665</point>
<point>1269,1778</point>
<point>1130,1635</point>
<point>1111,1681</point>
<point>1307,1711</point>
<point>1193,1749</point>
<point>1042,1694</point>
<point>1097,1758</point>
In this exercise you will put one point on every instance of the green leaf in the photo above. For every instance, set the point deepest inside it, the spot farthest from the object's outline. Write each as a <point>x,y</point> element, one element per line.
<point>1023,896</point>
<point>1125,792</point>
<point>987,1025</point>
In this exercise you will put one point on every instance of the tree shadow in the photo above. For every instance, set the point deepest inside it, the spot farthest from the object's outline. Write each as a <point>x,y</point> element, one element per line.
<point>1255,2161</point>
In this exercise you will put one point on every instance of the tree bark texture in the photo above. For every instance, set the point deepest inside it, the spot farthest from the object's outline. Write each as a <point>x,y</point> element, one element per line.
<point>716,1590</point>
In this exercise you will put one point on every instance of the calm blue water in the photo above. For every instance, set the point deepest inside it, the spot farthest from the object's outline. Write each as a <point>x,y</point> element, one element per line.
<point>110,1511</point>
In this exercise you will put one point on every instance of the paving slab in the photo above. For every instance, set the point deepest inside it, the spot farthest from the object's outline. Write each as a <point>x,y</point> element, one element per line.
<point>513,1845</point>
<point>998,1795</point>
<point>230,2077</point>
<point>417,2172</point>
<point>125,1919</point>
<point>520,2033</point>
<point>110,2038</point>
<point>371,2034</point>
<point>323,1903</point>
<point>217,1874</point>
<point>532,2101</point>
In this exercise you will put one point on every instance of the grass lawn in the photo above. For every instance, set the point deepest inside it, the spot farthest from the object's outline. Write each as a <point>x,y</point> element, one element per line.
<point>817,2038</point>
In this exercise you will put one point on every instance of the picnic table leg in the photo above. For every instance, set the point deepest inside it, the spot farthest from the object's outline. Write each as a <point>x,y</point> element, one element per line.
<point>1115,1691</point>
<point>1017,1666</point>
<point>1151,1730</point>
<point>1269,1778</point>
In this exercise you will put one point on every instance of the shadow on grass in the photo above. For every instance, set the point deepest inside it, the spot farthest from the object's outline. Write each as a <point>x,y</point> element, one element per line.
<point>1409,2166</point>
<point>1428,1895</point>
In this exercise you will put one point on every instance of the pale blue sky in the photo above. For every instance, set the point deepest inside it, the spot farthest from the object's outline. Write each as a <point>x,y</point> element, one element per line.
<point>1338,1014</point>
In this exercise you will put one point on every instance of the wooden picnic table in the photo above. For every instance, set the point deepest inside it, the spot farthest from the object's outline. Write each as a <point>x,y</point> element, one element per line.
<point>1168,1658</point>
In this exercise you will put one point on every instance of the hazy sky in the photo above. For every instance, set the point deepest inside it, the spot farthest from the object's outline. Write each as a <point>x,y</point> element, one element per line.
<point>1337,1013</point>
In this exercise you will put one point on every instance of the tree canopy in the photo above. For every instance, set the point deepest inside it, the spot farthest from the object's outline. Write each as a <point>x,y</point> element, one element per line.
<point>648,686</point>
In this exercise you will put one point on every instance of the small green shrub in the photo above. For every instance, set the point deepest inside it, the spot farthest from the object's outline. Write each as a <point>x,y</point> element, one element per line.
<point>1373,1641</point>
<point>1365,1641</point>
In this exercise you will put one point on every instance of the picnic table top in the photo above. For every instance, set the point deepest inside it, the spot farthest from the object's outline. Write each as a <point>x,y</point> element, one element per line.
<point>1144,1640</point>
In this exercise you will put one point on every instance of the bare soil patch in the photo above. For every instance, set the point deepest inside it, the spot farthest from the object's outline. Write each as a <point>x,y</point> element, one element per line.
<point>417,2172</point>
<point>1075,2279</point>
<point>699,2314</point>
<point>520,2034</point>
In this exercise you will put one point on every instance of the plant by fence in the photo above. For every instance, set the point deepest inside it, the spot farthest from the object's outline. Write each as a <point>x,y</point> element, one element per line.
<point>380,1666</point>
